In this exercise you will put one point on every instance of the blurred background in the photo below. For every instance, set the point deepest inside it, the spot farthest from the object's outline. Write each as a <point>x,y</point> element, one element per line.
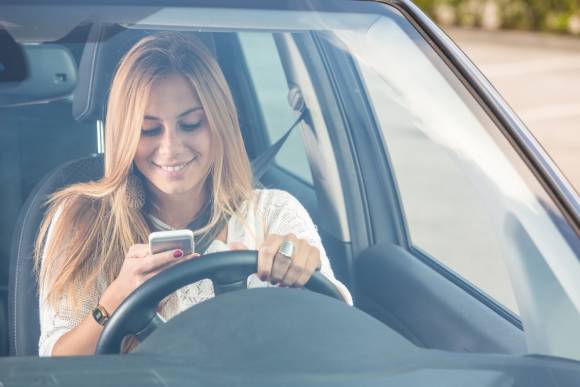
<point>530,51</point>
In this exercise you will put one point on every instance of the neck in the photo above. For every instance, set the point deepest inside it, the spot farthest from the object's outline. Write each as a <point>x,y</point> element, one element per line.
<point>178,210</point>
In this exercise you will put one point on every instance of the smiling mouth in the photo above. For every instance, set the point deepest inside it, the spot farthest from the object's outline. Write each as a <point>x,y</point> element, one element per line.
<point>175,167</point>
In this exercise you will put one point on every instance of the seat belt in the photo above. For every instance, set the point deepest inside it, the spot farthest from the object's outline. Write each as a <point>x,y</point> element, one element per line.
<point>261,163</point>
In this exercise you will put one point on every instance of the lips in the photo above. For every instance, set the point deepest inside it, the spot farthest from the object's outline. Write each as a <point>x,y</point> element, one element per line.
<point>173,168</point>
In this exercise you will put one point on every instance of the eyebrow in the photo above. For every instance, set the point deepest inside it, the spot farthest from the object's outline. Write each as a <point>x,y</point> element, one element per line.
<point>179,115</point>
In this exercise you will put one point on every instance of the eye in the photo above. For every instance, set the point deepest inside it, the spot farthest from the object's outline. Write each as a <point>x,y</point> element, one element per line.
<point>190,127</point>
<point>150,132</point>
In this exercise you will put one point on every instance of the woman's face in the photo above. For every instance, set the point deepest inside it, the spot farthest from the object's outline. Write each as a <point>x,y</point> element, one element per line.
<point>174,149</point>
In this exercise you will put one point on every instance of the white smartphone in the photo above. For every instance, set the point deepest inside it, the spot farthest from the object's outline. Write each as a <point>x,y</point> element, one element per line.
<point>160,241</point>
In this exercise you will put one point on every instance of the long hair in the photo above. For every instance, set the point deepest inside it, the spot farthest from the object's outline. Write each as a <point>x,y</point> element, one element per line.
<point>86,241</point>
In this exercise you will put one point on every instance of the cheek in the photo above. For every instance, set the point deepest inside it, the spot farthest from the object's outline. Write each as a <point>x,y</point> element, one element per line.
<point>201,142</point>
<point>207,145</point>
<point>144,149</point>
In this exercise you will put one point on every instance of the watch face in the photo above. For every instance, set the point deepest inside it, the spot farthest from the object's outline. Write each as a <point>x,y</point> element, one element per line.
<point>99,316</point>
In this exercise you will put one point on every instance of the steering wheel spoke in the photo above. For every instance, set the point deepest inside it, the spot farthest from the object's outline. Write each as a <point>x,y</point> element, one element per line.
<point>231,279</point>
<point>153,324</point>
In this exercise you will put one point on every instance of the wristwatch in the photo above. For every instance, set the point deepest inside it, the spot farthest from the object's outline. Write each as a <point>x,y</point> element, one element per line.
<point>100,315</point>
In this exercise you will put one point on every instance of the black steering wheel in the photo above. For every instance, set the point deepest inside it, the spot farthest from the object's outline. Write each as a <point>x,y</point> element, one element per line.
<point>227,270</point>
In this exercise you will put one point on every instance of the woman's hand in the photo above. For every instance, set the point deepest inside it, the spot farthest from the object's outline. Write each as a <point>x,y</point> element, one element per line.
<point>277,268</point>
<point>139,266</point>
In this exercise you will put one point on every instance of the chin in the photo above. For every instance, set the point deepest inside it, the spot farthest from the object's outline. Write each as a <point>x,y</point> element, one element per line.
<point>175,190</point>
<point>178,187</point>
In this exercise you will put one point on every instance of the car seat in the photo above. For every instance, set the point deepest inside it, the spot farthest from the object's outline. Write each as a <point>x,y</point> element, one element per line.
<point>24,327</point>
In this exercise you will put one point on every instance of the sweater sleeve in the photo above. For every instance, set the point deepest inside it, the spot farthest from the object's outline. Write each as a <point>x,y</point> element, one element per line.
<point>56,321</point>
<point>284,215</point>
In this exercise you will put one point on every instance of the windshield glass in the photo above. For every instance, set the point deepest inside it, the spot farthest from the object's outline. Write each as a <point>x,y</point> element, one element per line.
<point>468,180</point>
<point>455,191</point>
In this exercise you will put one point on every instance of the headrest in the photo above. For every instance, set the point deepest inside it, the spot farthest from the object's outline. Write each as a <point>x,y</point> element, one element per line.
<point>105,47</point>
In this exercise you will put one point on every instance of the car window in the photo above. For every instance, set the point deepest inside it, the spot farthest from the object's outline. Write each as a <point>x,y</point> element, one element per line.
<point>466,194</point>
<point>271,88</point>
<point>447,217</point>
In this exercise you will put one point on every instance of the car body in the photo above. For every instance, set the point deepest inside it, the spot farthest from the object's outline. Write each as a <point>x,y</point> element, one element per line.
<point>454,231</point>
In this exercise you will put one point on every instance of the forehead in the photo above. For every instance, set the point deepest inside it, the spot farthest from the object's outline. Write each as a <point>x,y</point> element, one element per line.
<point>171,95</point>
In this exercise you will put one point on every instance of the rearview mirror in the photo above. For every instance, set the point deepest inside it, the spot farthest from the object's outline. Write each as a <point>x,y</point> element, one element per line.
<point>50,74</point>
<point>12,60</point>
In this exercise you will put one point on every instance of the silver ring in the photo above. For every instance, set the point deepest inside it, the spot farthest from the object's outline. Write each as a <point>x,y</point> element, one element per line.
<point>286,249</point>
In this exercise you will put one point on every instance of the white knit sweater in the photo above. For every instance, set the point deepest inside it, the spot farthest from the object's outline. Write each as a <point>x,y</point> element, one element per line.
<point>268,212</point>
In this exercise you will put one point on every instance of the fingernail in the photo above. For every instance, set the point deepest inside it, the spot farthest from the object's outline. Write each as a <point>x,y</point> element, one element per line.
<point>178,253</point>
<point>273,282</point>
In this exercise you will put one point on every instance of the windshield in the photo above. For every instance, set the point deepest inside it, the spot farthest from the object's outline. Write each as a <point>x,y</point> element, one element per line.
<point>463,156</point>
<point>336,123</point>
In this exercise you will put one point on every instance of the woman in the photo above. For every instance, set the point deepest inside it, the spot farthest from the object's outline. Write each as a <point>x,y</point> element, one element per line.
<point>174,157</point>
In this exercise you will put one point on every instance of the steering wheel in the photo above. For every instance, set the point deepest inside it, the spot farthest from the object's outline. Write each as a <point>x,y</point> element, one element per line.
<point>227,270</point>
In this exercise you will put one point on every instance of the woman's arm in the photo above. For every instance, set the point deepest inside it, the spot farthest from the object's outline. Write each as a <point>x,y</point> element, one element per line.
<point>64,332</point>
<point>83,338</point>
<point>285,215</point>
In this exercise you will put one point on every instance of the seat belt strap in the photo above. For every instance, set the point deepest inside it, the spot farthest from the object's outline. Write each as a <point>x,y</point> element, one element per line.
<point>261,163</point>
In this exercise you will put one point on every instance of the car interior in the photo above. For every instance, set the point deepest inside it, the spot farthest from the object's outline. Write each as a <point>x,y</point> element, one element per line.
<point>52,142</point>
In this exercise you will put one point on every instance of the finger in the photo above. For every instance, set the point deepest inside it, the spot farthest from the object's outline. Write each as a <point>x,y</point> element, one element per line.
<point>138,251</point>
<point>312,264</point>
<point>160,260</point>
<point>298,265</point>
<point>237,246</point>
<point>282,262</point>
<point>266,255</point>
<point>163,267</point>
<point>148,276</point>
<point>280,267</point>
<point>192,255</point>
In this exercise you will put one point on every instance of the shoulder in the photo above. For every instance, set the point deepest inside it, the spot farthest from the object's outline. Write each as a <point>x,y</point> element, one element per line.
<point>280,209</point>
<point>71,213</point>
<point>274,199</point>
<point>271,208</point>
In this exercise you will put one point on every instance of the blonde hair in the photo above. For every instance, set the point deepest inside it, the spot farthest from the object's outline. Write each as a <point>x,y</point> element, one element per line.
<point>95,226</point>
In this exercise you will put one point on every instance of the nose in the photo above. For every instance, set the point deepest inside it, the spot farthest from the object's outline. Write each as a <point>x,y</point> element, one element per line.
<point>170,143</point>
